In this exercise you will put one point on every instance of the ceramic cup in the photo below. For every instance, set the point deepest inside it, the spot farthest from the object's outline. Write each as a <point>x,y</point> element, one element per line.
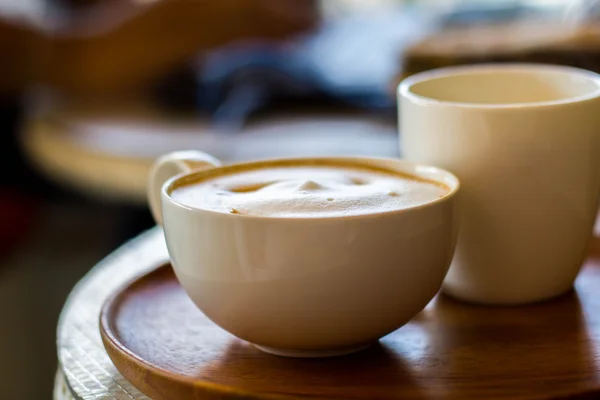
<point>306,287</point>
<point>524,141</point>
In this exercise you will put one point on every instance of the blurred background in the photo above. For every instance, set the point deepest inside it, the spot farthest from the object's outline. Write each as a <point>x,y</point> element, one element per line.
<point>91,91</point>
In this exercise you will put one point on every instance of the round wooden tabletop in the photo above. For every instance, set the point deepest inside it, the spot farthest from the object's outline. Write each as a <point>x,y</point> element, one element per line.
<point>168,349</point>
<point>543,351</point>
<point>106,152</point>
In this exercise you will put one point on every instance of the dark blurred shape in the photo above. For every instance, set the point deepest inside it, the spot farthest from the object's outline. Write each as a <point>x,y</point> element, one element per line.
<point>18,213</point>
<point>348,62</point>
<point>18,207</point>
<point>76,3</point>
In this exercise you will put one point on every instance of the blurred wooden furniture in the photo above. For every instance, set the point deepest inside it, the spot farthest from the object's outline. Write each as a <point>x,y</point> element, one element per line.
<point>107,152</point>
<point>119,46</point>
<point>564,42</point>
<point>451,350</point>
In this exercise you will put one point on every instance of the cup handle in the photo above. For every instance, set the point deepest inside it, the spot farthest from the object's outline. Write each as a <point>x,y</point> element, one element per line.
<point>169,165</point>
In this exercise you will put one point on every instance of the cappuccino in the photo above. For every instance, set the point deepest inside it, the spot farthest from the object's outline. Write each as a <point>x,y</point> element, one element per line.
<point>304,190</point>
<point>284,252</point>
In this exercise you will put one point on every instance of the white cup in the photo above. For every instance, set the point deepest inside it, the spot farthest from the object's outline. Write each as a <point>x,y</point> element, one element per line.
<point>306,286</point>
<point>524,141</point>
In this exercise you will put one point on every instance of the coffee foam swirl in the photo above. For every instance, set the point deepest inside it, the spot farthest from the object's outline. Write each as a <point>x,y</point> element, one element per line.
<point>308,191</point>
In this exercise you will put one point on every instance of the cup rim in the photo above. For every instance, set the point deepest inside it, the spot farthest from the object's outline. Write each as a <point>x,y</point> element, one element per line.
<point>405,87</point>
<point>419,170</point>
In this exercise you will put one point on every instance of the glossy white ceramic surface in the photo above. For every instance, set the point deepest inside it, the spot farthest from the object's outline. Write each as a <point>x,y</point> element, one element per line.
<point>309,286</point>
<point>524,141</point>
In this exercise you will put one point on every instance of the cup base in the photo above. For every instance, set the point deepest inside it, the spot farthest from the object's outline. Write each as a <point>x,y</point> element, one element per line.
<point>505,301</point>
<point>312,353</point>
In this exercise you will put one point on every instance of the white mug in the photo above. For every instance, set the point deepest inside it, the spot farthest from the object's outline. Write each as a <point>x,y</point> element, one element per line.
<point>306,286</point>
<point>524,141</point>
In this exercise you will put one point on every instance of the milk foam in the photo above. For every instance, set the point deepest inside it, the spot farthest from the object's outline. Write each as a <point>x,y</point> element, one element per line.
<point>308,191</point>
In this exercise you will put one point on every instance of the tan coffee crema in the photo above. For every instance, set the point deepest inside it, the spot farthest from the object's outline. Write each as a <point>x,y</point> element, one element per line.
<point>304,190</point>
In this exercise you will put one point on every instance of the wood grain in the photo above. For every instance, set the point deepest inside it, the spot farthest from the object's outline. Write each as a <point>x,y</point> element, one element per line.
<point>169,350</point>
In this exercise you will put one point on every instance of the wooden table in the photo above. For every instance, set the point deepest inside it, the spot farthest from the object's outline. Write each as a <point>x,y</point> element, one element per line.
<point>90,374</point>
<point>105,152</point>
